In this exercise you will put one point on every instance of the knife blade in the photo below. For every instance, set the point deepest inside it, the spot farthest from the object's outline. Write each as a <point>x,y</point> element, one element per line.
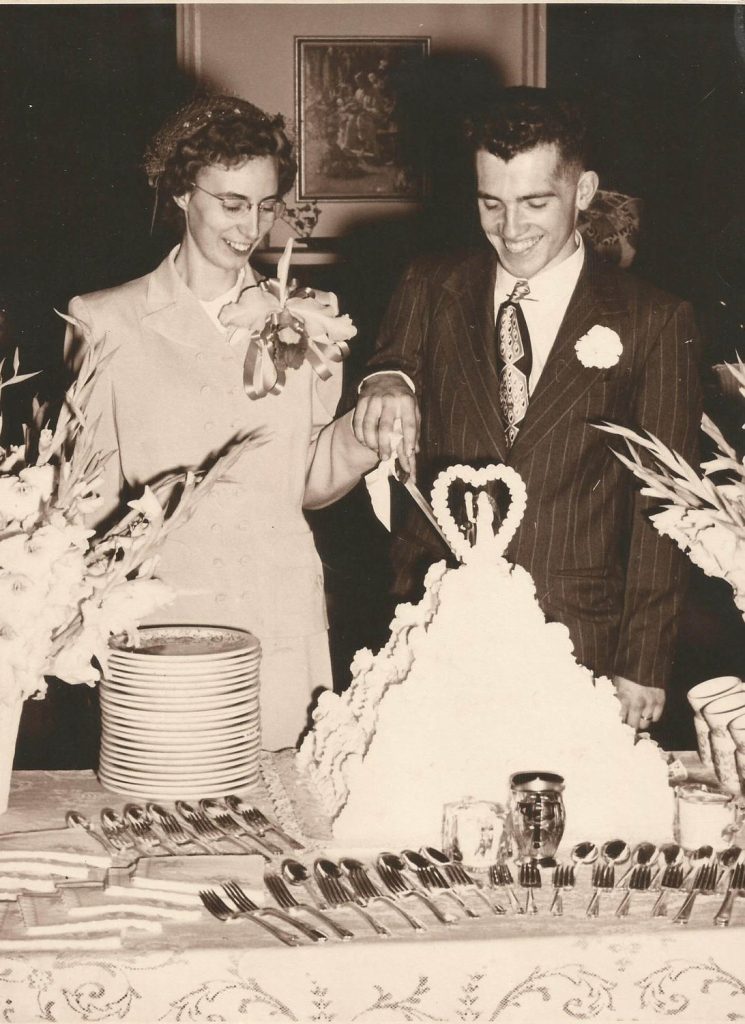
<point>424,506</point>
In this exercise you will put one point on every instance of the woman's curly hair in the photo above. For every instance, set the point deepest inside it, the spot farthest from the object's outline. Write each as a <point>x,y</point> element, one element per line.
<point>216,130</point>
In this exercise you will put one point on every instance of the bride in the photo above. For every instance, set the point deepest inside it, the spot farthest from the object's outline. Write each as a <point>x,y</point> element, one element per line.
<point>170,397</point>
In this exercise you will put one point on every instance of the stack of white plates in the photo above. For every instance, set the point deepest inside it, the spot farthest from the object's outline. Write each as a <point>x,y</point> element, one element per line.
<point>180,713</point>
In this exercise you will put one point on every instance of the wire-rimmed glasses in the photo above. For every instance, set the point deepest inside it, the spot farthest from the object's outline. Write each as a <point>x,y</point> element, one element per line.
<point>238,206</point>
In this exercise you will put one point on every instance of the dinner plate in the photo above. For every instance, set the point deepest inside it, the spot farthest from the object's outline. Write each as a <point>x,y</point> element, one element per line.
<point>196,777</point>
<point>187,642</point>
<point>178,761</point>
<point>177,744</point>
<point>162,737</point>
<point>249,701</point>
<point>178,716</point>
<point>174,697</point>
<point>185,792</point>
<point>159,671</point>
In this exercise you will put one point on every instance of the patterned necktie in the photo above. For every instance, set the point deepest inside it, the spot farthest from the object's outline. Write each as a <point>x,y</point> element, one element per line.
<point>514,360</point>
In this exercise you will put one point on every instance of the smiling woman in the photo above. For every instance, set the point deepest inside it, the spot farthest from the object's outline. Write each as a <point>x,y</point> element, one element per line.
<point>172,396</point>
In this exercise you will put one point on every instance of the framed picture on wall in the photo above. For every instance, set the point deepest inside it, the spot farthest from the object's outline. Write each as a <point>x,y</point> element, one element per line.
<point>359,118</point>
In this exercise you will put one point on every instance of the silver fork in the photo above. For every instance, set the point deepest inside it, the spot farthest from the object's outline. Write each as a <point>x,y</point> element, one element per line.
<point>219,810</point>
<point>563,878</point>
<point>704,882</point>
<point>280,893</point>
<point>431,878</point>
<point>734,889</point>
<point>169,824</point>
<point>500,877</point>
<point>396,883</point>
<point>245,903</point>
<point>219,909</point>
<point>530,879</point>
<point>202,825</point>
<point>672,878</point>
<point>367,890</point>
<point>258,820</point>
<point>116,830</point>
<point>639,881</point>
<point>603,879</point>
<point>336,893</point>
<point>230,827</point>
<point>457,875</point>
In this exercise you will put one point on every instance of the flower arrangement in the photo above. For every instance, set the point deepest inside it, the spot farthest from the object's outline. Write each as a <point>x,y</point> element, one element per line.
<point>282,325</point>
<point>705,517</point>
<point>63,590</point>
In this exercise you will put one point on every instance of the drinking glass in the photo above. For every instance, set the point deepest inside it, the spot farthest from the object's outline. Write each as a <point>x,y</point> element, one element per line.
<point>704,816</point>
<point>700,695</point>
<point>718,714</point>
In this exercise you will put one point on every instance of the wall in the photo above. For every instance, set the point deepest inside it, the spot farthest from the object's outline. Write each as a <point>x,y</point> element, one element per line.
<point>249,49</point>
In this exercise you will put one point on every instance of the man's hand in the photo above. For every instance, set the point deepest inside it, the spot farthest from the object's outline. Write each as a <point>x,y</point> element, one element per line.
<point>384,399</point>
<point>642,705</point>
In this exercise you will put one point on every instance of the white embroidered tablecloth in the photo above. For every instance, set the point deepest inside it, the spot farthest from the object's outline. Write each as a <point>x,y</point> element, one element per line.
<point>510,968</point>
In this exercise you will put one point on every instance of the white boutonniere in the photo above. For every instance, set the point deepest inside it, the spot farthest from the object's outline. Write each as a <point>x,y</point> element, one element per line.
<point>600,347</point>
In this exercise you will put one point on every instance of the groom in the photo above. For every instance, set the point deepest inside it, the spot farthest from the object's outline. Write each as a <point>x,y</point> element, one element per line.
<point>511,355</point>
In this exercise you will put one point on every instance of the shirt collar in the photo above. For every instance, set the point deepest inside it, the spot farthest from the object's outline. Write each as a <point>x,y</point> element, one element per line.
<point>554,283</point>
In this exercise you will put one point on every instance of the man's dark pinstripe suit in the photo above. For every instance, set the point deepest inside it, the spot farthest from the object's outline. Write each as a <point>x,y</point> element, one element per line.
<point>598,565</point>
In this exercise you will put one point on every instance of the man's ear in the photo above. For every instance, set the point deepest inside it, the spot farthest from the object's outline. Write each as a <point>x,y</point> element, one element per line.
<point>587,186</point>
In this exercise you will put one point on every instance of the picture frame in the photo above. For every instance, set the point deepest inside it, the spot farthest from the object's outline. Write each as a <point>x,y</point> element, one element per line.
<point>358,118</point>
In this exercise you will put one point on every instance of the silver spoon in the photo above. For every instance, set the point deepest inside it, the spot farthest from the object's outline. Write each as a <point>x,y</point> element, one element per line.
<point>231,807</point>
<point>79,822</point>
<point>643,854</point>
<point>177,832</point>
<point>368,891</point>
<point>457,875</point>
<point>296,873</point>
<point>697,858</point>
<point>329,878</point>
<point>615,851</point>
<point>114,825</point>
<point>584,853</point>
<point>140,823</point>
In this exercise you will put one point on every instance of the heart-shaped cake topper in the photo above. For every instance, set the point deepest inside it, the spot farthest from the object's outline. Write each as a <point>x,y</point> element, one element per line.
<point>479,509</point>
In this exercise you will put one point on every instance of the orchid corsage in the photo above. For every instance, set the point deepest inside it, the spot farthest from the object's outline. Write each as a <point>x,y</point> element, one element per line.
<point>282,325</point>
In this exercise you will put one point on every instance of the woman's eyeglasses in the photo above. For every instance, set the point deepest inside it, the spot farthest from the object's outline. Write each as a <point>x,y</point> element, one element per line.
<point>239,206</point>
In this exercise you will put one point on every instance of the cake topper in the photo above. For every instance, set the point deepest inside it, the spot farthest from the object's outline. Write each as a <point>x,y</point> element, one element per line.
<point>479,537</point>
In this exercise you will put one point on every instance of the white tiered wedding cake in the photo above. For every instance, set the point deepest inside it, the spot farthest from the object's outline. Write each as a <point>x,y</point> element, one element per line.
<point>472,686</point>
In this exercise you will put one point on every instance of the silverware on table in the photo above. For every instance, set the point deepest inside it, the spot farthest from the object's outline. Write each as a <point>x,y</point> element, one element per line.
<point>205,828</point>
<point>705,884</point>
<point>530,879</point>
<point>457,875</point>
<point>391,870</point>
<point>735,888</point>
<point>220,807</point>
<point>116,828</point>
<point>280,893</point>
<point>603,879</point>
<point>367,890</point>
<point>220,909</point>
<point>175,832</point>
<point>296,873</point>
<point>643,853</point>
<point>563,878</point>
<point>244,902</point>
<point>639,881</point>
<point>430,877</point>
<point>672,880</point>
<point>259,821</point>
<point>500,877</point>
<point>113,845</point>
<point>329,881</point>
<point>140,823</point>
<point>229,826</point>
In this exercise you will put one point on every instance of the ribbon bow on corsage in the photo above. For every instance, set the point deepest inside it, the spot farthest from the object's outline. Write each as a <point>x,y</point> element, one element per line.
<point>283,325</point>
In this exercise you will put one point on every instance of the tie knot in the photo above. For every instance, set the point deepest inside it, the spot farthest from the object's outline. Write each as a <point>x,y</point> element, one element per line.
<point>519,292</point>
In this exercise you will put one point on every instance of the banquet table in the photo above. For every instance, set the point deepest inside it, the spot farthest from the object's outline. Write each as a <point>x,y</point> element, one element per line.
<point>491,968</point>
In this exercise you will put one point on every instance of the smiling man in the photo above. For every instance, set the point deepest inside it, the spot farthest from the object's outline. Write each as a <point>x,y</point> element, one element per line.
<point>512,354</point>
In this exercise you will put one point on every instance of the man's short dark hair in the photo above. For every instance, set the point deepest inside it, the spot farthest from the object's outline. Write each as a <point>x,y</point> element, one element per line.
<point>520,118</point>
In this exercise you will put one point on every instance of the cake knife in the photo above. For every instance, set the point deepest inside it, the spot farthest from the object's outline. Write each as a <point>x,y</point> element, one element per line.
<point>424,506</point>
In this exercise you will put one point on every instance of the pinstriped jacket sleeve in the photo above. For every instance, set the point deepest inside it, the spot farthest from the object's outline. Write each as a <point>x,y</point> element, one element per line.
<point>668,405</point>
<point>403,332</point>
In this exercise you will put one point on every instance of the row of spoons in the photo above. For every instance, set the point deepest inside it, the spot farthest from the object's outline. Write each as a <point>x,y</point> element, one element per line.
<point>142,829</point>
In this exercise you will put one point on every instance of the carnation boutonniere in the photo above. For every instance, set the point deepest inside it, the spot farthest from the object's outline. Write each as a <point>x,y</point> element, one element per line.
<point>600,347</point>
<point>283,325</point>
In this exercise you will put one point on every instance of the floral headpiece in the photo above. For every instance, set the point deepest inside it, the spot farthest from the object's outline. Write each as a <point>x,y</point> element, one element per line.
<point>282,325</point>
<point>187,121</point>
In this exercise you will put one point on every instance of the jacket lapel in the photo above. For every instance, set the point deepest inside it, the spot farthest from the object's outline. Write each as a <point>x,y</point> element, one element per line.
<point>564,380</point>
<point>470,321</point>
<point>174,312</point>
